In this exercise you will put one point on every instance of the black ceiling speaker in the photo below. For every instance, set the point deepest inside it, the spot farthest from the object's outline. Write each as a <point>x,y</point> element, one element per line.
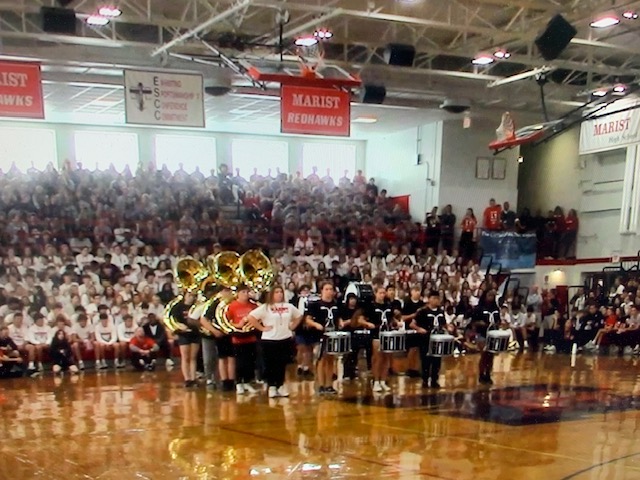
<point>555,37</point>
<point>373,93</point>
<point>58,20</point>
<point>399,54</point>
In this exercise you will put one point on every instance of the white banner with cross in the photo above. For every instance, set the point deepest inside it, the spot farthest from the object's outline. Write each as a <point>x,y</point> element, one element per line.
<point>164,98</point>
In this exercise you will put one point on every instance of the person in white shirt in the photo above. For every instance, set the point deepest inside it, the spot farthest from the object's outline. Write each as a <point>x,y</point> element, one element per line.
<point>84,258</point>
<point>156,306</point>
<point>82,334</point>
<point>38,340</point>
<point>19,332</point>
<point>118,258</point>
<point>126,330</point>
<point>276,320</point>
<point>106,340</point>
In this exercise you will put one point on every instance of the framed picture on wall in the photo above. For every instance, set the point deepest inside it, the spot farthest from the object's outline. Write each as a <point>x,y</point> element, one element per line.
<point>483,168</point>
<point>499,169</point>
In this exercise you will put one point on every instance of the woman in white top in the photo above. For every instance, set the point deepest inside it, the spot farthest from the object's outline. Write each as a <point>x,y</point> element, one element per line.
<point>276,320</point>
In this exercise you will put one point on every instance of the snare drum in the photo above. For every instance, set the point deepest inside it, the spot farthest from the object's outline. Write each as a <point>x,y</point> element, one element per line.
<point>440,345</point>
<point>498,340</point>
<point>337,343</point>
<point>361,339</point>
<point>393,342</point>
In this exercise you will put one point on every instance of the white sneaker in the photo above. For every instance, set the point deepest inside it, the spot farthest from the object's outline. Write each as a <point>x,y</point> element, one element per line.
<point>385,387</point>
<point>273,392</point>
<point>377,387</point>
<point>249,388</point>
<point>32,366</point>
<point>627,351</point>
<point>240,389</point>
<point>56,369</point>
<point>283,392</point>
<point>169,363</point>
<point>40,367</point>
<point>73,369</point>
<point>81,365</point>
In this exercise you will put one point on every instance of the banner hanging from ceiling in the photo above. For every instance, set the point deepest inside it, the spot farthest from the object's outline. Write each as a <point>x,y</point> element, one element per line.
<point>21,90</point>
<point>611,131</point>
<point>164,98</point>
<point>315,111</point>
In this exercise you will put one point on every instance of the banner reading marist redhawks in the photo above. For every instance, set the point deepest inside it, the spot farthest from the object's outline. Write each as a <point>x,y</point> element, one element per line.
<point>315,111</point>
<point>21,90</point>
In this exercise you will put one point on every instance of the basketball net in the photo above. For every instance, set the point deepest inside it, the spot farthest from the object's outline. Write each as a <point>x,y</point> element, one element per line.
<point>311,60</point>
<point>507,129</point>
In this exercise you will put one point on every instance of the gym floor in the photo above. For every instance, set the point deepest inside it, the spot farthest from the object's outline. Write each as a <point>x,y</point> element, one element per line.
<point>543,419</point>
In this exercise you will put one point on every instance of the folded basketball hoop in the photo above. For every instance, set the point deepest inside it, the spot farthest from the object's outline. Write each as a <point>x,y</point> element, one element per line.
<point>523,135</point>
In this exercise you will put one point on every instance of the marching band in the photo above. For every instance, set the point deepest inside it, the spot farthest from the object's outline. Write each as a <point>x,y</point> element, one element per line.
<point>243,340</point>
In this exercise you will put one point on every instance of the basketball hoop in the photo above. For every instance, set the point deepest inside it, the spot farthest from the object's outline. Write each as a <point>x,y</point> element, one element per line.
<point>311,57</point>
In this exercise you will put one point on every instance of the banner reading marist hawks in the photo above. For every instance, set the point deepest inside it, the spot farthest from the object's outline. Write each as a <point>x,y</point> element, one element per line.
<point>315,111</point>
<point>21,90</point>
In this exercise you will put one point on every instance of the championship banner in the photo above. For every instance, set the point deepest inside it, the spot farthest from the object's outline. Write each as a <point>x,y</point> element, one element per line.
<point>610,132</point>
<point>21,90</point>
<point>315,111</point>
<point>511,250</point>
<point>164,98</point>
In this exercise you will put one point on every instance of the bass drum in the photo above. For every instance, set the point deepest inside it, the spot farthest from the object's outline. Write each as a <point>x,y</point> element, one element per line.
<point>362,291</point>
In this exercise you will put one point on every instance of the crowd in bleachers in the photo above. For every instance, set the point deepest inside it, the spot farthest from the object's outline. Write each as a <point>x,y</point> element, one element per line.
<point>92,253</point>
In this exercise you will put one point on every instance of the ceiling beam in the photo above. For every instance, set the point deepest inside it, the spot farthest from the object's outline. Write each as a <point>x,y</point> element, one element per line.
<point>203,27</point>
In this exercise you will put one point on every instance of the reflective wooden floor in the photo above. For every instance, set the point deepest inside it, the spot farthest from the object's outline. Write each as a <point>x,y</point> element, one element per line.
<point>543,419</point>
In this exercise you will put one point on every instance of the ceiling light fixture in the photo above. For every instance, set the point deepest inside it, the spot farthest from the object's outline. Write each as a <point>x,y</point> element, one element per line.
<point>620,88</point>
<point>323,34</point>
<point>630,15</point>
<point>483,59</point>
<point>601,92</point>
<point>365,119</point>
<point>306,41</point>
<point>501,54</point>
<point>110,12</point>
<point>97,20</point>
<point>606,21</point>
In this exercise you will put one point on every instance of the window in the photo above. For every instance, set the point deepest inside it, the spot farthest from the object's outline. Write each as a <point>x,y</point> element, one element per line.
<point>100,150</point>
<point>335,157</point>
<point>27,148</point>
<point>248,155</point>
<point>190,151</point>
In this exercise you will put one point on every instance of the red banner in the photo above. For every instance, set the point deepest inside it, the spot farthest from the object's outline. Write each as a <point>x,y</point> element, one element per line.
<point>21,90</point>
<point>315,111</point>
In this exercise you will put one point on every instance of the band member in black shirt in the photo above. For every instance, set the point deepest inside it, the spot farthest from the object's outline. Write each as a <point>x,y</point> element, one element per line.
<point>484,315</point>
<point>380,318</point>
<point>322,316</point>
<point>349,324</point>
<point>409,310</point>
<point>429,319</point>
<point>188,338</point>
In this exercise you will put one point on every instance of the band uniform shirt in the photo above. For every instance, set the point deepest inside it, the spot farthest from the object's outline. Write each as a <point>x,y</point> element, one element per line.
<point>381,316</point>
<point>411,307</point>
<point>324,313</point>
<point>429,319</point>
<point>278,316</point>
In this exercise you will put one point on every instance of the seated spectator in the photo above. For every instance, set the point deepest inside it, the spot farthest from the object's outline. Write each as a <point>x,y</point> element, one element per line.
<point>38,340</point>
<point>106,341</point>
<point>154,330</point>
<point>9,354</point>
<point>61,353</point>
<point>143,351</point>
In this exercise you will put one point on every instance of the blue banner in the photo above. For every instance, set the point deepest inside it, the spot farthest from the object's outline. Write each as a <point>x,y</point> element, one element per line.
<point>511,250</point>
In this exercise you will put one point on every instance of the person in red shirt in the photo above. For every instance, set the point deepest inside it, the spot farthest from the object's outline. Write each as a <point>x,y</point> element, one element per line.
<point>569,235</point>
<point>491,217</point>
<point>467,237</point>
<point>244,344</point>
<point>143,351</point>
